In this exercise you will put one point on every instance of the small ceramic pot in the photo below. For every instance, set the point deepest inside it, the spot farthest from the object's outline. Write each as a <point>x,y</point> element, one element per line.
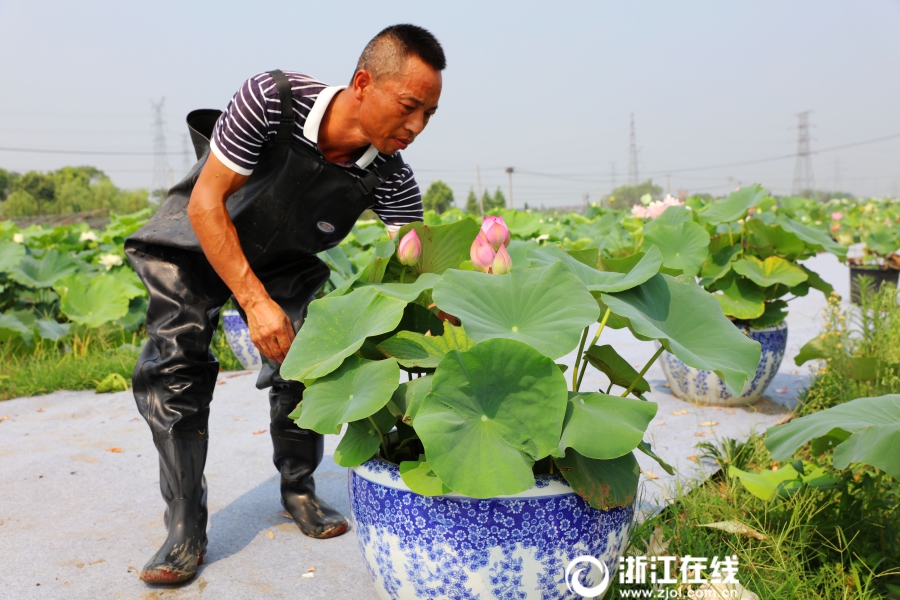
<point>454,546</point>
<point>238,335</point>
<point>705,387</point>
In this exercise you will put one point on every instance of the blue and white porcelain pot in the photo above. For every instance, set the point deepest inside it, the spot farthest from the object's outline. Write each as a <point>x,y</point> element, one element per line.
<point>238,335</point>
<point>509,547</point>
<point>705,387</point>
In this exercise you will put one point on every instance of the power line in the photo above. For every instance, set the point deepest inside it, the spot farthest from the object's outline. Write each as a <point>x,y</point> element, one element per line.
<point>87,152</point>
<point>160,159</point>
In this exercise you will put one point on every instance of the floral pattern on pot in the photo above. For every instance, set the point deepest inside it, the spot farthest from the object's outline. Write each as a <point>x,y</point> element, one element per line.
<point>704,387</point>
<point>452,546</point>
<point>238,335</point>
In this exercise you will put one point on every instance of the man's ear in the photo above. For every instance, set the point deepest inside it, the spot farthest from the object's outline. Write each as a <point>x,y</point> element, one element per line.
<point>362,81</point>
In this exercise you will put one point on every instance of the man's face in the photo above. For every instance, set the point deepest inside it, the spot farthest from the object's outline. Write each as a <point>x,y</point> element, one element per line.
<point>395,110</point>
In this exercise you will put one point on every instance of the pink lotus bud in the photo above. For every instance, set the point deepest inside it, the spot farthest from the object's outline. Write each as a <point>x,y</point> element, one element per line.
<point>482,253</point>
<point>502,262</point>
<point>410,249</point>
<point>496,231</point>
<point>836,216</point>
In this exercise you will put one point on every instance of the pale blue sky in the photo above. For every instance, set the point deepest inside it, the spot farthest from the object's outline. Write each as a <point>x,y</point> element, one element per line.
<point>544,87</point>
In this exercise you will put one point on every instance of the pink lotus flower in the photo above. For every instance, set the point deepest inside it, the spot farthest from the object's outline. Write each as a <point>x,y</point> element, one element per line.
<point>496,231</point>
<point>655,208</point>
<point>836,216</point>
<point>639,211</point>
<point>502,262</point>
<point>410,249</point>
<point>482,253</point>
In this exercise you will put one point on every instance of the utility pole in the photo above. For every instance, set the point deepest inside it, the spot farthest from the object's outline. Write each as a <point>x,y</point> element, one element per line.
<point>803,175</point>
<point>633,176</point>
<point>160,156</point>
<point>509,171</point>
<point>668,193</point>
<point>480,197</point>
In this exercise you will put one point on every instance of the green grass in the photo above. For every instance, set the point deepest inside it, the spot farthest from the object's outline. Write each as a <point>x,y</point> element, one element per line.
<point>80,361</point>
<point>833,544</point>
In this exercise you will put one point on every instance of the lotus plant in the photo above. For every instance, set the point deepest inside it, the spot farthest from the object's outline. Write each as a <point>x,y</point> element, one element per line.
<point>491,374</point>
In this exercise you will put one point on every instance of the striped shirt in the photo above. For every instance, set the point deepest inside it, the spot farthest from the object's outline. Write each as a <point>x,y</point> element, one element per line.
<point>253,116</point>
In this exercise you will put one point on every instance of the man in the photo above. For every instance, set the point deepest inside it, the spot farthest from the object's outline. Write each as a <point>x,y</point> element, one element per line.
<point>283,174</point>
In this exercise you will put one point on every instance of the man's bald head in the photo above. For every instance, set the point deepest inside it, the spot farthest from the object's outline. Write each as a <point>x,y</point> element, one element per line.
<point>386,54</point>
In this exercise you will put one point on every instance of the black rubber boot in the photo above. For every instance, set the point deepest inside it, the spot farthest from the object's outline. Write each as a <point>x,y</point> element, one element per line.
<point>183,487</point>
<point>297,453</point>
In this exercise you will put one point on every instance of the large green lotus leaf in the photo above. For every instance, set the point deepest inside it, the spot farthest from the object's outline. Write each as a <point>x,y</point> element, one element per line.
<point>775,313</point>
<point>594,279</point>
<point>373,272</point>
<point>816,282</point>
<point>814,349</point>
<point>407,292</point>
<point>133,286</point>
<point>518,252</point>
<point>816,237</point>
<point>361,440</point>
<point>369,234</point>
<point>783,482</point>
<point>620,372</point>
<point>772,271</point>
<point>51,330</point>
<point>11,327</point>
<point>673,215</point>
<point>622,422</point>
<point>882,242</point>
<point>443,246</point>
<point>626,264</point>
<point>773,239</point>
<point>356,390</point>
<point>718,264</point>
<point>522,224</point>
<point>546,307</point>
<point>741,298</point>
<point>421,478</point>
<point>492,412</point>
<point>92,301</point>
<point>734,206</point>
<point>586,256</point>
<point>408,397</point>
<point>11,254</point>
<point>689,323</point>
<point>603,483</point>
<point>873,422</point>
<point>335,328</point>
<point>684,246</point>
<point>45,272</point>
<point>412,349</point>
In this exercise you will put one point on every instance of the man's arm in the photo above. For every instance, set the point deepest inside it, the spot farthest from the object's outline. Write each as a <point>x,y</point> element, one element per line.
<point>270,328</point>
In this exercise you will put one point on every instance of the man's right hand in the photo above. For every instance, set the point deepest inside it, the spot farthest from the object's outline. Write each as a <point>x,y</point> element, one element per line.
<point>270,329</point>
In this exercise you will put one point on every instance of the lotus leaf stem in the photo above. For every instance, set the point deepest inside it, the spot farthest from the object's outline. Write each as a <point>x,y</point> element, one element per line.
<point>384,447</point>
<point>578,359</point>
<point>644,370</point>
<point>596,337</point>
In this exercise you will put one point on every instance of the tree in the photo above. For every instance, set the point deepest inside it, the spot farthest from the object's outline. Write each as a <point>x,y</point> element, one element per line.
<point>495,202</point>
<point>6,183</point>
<point>438,198</point>
<point>472,205</point>
<point>626,196</point>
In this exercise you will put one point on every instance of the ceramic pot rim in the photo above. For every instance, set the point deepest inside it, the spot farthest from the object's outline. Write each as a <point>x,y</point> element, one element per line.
<point>546,486</point>
<point>776,327</point>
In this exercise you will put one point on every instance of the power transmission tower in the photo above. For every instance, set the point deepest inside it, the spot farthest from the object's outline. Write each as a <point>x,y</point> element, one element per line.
<point>803,175</point>
<point>612,174</point>
<point>837,174</point>
<point>160,153</point>
<point>632,157</point>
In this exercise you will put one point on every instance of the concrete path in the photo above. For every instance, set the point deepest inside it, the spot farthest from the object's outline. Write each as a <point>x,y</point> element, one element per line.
<point>80,510</point>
